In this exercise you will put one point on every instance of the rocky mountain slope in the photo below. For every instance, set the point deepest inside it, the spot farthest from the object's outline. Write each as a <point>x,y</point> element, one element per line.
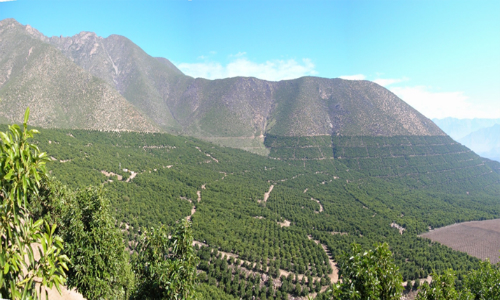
<point>60,93</point>
<point>86,73</point>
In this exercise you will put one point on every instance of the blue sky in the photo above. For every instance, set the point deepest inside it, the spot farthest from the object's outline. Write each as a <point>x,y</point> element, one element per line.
<point>442,57</point>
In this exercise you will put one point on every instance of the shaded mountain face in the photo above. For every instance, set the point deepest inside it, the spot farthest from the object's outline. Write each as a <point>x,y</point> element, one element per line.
<point>236,112</point>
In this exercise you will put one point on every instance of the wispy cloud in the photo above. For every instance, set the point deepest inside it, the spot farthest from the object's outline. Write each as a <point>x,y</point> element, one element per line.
<point>353,77</point>
<point>389,81</point>
<point>437,104</point>
<point>7,0</point>
<point>378,80</point>
<point>239,54</point>
<point>430,102</point>
<point>273,70</point>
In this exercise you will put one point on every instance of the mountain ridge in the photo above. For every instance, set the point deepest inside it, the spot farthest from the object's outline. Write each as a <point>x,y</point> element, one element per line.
<point>238,111</point>
<point>37,75</point>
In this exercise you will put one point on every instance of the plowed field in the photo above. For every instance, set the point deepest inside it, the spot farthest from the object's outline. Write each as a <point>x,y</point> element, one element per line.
<point>478,238</point>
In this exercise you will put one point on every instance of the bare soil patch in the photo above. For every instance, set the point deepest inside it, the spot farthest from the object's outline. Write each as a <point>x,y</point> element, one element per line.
<point>132,176</point>
<point>108,174</point>
<point>285,223</point>
<point>193,210</point>
<point>341,233</point>
<point>396,225</point>
<point>266,195</point>
<point>477,238</point>
<point>65,294</point>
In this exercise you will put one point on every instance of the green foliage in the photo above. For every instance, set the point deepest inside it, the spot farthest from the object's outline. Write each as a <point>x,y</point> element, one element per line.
<point>480,284</point>
<point>210,292</point>
<point>484,283</point>
<point>166,266</point>
<point>100,267</point>
<point>442,287</point>
<point>22,167</point>
<point>369,274</point>
<point>357,208</point>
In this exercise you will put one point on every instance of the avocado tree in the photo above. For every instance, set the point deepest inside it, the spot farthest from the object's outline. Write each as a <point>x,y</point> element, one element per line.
<point>100,266</point>
<point>30,252</point>
<point>165,267</point>
<point>369,274</point>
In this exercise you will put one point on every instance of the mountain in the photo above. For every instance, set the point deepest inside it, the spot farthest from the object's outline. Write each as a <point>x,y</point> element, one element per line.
<point>347,161</point>
<point>60,93</point>
<point>485,142</point>
<point>459,128</point>
<point>236,112</point>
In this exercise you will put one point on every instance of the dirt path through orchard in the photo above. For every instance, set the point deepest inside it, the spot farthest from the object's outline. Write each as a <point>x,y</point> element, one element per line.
<point>334,277</point>
<point>320,206</point>
<point>266,195</point>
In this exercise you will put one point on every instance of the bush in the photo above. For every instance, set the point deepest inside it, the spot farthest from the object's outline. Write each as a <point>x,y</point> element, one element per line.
<point>368,274</point>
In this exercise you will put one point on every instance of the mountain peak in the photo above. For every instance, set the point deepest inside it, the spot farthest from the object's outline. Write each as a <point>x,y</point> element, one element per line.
<point>233,111</point>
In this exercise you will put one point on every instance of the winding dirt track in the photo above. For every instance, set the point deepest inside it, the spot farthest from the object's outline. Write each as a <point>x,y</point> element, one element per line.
<point>266,195</point>
<point>320,205</point>
<point>334,277</point>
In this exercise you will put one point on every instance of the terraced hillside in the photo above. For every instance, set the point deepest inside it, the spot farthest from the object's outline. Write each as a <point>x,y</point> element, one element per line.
<point>272,224</point>
<point>430,162</point>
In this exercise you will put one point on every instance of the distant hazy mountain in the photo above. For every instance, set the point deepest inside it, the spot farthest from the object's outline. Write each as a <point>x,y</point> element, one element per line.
<point>86,81</point>
<point>459,128</point>
<point>485,142</point>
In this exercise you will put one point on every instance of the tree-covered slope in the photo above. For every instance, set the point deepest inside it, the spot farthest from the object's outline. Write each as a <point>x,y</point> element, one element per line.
<point>418,162</point>
<point>276,231</point>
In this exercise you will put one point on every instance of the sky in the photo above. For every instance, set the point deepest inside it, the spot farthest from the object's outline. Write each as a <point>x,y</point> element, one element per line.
<point>441,57</point>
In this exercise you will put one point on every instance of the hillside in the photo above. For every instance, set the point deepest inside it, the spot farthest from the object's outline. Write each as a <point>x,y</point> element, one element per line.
<point>236,112</point>
<point>345,161</point>
<point>282,216</point>
<point>60,93</point>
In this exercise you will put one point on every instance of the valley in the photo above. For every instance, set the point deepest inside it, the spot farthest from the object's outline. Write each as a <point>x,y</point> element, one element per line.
<point>313,209</point>
<point>276,179</point>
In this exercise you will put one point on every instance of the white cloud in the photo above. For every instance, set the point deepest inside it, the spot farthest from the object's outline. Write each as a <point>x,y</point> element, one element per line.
<point>353,77</point>
<point>239,54</point>
<point>389,81</point>
<point>443,104</point>
<point>273,70</point>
